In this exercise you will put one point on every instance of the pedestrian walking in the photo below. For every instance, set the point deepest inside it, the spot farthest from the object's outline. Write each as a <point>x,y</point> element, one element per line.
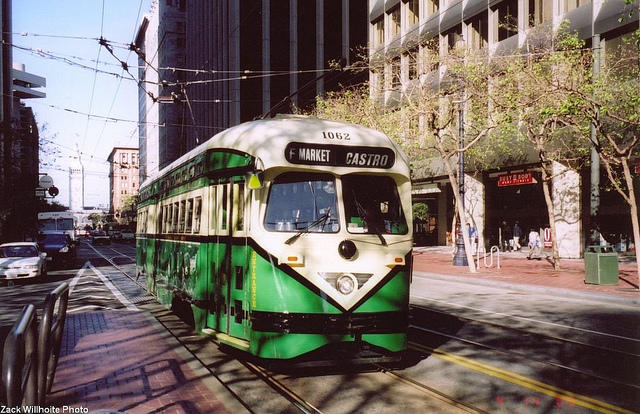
<point>534,244</point>
<point>473,237</point>
<point>507,235</point>
<point>517,233</point>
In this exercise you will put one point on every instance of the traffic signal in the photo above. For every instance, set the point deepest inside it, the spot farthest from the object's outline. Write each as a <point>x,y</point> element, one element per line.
<point>53,191</point>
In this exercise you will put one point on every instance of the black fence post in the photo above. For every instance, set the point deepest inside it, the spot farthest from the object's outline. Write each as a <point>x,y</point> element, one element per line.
<point>20,360</point>
<point>50,338</point>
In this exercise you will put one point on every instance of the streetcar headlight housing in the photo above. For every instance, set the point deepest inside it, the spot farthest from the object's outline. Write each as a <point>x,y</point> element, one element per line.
<point>346,283</point>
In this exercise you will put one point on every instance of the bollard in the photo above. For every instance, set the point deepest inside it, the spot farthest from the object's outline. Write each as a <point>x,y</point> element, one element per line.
<point>50,338</point>
<point>20,360</point>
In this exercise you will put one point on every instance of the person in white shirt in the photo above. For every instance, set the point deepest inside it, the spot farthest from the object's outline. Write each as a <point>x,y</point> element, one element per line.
<point>534,244</point>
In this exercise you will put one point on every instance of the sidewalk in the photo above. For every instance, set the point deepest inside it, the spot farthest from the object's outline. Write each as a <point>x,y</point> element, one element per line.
<point>125,361</point>
<point>521,274</point>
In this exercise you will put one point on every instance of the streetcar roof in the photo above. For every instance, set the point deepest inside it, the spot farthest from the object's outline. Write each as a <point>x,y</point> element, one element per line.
<point>267,139</point>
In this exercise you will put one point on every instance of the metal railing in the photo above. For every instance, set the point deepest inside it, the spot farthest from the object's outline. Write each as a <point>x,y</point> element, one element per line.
<point>50,338</point>
<point>30,354</point>
<point>20,360</point>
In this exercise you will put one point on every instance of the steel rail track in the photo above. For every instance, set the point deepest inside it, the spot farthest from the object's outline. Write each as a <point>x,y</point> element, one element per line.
<point>523,356</point>
<point>519,330</point>
<point>431,391</point>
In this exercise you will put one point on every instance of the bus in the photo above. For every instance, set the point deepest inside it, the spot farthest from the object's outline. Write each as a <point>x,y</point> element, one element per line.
<point>57,222</point>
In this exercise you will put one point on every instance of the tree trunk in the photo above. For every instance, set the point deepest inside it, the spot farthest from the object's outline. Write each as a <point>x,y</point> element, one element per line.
<point>633,207</point>
<point>462,215</point>
<point>546,185</point>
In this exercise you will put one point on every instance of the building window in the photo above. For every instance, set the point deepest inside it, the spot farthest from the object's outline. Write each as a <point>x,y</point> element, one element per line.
<point>432,7</point>
<point>540,11</point>
<point>378,32</point>
<point>411,61</point>
<point>479,31</point>
<point>394,22</point>
<point>413,12</point>
<point>451,37</point>
<point>429,56</point>
<point>573,4</point>
<point>396,72</point>
<point>507,14</point>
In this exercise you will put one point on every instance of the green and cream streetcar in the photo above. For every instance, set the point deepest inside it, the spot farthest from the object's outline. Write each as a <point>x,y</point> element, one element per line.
<point>290,238</point>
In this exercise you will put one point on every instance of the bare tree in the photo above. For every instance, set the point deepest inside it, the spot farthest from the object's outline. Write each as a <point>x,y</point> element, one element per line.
<point>534,89</point>
<point>612,104</point>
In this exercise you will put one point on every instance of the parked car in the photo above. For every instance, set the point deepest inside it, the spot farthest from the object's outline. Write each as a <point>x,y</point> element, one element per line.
<point>21,260</point>
<point>100,237</point>
<point>59,247</point>
<point>127,236</point>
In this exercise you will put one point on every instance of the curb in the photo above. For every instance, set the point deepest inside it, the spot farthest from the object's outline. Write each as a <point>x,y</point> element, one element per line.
<point>523,287</point>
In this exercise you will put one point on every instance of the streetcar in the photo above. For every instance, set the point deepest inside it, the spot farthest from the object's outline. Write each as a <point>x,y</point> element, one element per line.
<point>289,238</point>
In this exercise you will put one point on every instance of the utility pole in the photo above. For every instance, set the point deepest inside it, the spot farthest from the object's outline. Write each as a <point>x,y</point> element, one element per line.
<point>594,233</point>
<point>6,88</point>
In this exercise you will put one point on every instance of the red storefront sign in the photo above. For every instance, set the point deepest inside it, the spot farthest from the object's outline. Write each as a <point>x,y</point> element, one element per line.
<point>516,179</point>
<point>547,237</point>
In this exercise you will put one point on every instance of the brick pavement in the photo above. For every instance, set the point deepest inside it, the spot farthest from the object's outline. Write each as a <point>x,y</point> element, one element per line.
<point>125,361</point>
<point>515,269</point>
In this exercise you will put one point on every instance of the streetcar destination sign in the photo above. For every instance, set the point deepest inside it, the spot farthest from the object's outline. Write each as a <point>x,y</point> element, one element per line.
<point>339,155</point>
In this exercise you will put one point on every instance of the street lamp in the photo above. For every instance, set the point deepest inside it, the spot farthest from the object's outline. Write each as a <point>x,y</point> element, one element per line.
<point>460,258</point>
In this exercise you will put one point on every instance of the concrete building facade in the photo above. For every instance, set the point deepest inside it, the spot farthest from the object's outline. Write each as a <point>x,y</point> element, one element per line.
<point>19,139</point>
<point>209,65</point>
<point>398,29</point>
<point>124,181</point>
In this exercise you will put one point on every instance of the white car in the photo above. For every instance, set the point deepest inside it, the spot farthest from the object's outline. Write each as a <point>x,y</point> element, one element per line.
<point>20,260</point>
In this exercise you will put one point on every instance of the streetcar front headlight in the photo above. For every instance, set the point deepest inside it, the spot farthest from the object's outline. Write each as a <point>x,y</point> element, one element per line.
<point>346,284</point>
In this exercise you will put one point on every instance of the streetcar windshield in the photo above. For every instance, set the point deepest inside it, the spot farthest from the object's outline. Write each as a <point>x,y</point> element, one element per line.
<point>372,205</point>
<point>302,202</point>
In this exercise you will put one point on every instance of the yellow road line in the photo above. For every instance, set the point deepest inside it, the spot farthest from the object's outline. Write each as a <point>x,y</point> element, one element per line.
<point>581,400</point>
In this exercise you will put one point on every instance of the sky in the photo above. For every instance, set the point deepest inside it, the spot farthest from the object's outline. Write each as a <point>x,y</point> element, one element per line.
<point>92,101</point>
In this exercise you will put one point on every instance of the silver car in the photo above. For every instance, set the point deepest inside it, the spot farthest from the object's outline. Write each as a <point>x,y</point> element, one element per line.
<point>21,260</point>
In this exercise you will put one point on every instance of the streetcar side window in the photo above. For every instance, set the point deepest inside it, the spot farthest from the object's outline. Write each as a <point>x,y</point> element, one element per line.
<point>174,217</point>
<point>224,207</point>
<point>197,217</point>
<point>239,226</point>
<point>302,201</point>
<point>189,219</point>
<point>182,214</point>
<point>158,226</point>
<point>213,210</point>
<point>372,205</point>
<point>167,217</point>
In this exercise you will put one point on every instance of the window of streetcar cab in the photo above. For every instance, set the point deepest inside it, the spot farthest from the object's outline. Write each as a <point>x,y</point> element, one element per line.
<point>372,205</point>
<point>302,201</point>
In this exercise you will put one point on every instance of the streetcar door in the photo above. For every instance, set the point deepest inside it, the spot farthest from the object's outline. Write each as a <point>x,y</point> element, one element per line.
<point>228,281</point>
<point>220,254</point>
<point>239,286</point>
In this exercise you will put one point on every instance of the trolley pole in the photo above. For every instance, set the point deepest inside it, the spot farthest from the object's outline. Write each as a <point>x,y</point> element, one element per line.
<point>460,258</point>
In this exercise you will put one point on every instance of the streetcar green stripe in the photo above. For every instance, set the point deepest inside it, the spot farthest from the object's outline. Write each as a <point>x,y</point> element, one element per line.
<point>581,400</point>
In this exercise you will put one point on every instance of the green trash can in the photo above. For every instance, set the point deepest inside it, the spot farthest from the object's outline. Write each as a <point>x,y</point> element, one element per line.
<point>601,265</point>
